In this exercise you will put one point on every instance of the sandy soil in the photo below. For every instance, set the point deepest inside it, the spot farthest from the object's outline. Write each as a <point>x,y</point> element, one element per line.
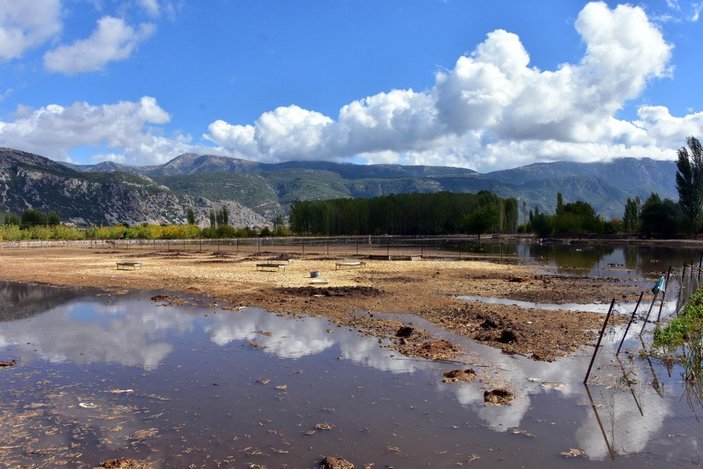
<point>426,288</point>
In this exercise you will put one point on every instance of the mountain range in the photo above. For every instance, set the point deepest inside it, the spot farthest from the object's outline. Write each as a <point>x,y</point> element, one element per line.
<point>255,193</point>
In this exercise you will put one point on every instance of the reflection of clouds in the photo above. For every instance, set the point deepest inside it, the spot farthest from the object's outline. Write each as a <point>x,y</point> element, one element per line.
<point>366,350</point>
<point>627,430</point>
<point>295,338</point>
<point>290,338</point>
<point>129,333</point>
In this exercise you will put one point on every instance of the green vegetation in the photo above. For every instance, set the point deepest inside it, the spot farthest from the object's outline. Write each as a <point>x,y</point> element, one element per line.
<point>684,328</point>
<point>36,225</point>
<point>570,219</point>
<point>684,334</point>
<point>689,182</point>
<point>406,214</point>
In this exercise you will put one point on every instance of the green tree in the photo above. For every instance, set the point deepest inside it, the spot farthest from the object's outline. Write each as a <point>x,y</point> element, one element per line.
<point>631,217</point>
<point>32,217</point>
<point>482,220</point>
<point>689,182</point>
<point>53,219</point>
<point>190,216</point>
<point>660,218</point>
<point>12,219</point>
<point>560,203</point>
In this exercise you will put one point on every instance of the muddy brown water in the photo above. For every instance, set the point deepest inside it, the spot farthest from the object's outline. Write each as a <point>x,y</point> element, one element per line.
<point>100,376</point>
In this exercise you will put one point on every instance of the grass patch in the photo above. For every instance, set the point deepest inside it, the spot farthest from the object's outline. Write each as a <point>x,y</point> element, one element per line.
<point>683,336</point>
<point>685,329</point>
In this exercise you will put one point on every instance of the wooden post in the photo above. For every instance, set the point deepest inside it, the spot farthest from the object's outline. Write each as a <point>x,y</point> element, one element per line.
<point>600,337</point>
<point>632,318</point>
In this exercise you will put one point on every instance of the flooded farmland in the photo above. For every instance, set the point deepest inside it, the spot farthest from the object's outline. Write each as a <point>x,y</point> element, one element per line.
<point>100,375</point>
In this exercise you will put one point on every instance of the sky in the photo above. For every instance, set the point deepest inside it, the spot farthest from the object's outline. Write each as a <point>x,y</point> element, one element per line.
<point>480,84</point>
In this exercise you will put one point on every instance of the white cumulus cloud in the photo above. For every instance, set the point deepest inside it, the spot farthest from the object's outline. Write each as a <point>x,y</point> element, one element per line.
<point>493,109</point>
<point>25,24</point>
<point>113,40</point>
<point>132,127</point>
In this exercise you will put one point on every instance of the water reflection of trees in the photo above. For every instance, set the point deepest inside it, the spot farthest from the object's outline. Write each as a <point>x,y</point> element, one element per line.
<point>580,259</point>
<point>18,301</point>
<point>657,259</point>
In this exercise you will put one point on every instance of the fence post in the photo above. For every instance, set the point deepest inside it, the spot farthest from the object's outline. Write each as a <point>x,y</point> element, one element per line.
<point>649,311</point>
<point>600,337</point>
<point>632,318</point>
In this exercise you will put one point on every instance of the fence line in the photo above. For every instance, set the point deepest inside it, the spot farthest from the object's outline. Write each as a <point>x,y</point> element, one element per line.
<point>463,246</point>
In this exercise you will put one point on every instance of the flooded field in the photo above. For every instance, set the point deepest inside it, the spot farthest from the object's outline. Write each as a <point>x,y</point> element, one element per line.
<point>101,376</point>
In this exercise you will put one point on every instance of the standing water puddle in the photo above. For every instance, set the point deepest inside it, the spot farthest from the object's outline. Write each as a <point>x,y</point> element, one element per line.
<point>100,377</point>
<point>588,307</point>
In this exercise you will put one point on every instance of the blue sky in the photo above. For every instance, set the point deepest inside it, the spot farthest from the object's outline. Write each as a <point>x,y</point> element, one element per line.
<point>479,84</point>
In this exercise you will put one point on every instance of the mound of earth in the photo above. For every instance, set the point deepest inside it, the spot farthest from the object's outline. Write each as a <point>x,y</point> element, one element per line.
<point>456,376</point>
<point>125,463</point>
<point>333,462</point>
<point>438,349</point>
<point>348,292</point>
<point>498,396</point>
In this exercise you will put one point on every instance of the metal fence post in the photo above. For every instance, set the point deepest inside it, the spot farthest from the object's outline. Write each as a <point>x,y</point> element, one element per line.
<point>600,337</point>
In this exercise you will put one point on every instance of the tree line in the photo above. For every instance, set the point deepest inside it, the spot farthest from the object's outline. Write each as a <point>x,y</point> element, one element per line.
<point>406,214</point>
<point>417,214</point>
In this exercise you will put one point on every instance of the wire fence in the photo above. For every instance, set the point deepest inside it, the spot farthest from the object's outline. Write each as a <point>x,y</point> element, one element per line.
<point>464,247</point>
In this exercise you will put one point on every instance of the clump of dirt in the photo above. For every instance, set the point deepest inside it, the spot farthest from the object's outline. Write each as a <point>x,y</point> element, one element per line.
<point>8,364</point>
<point>438,349</point>
<point>168,300</point>
<point>334,462</point>
<point>405,332</point>
<point>348,292</point>
<point>125,463</point>
<point>456,376</point>
<point>498,396</point>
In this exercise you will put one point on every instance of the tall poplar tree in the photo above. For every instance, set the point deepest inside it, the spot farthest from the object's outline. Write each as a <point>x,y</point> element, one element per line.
<point>689,181</point>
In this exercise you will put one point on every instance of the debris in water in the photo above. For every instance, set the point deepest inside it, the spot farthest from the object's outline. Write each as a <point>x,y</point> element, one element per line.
<point>87,405</point>
<point>455,376</point>
<point>573,453</point>
<point>140,435</point>
<point>521,431</point>
<point>334,462</point>
<point>263,381</point>
<point>324,426</point>
<point>125,463</point>
<point>122,391</point>
<point>282,387</point>
<point>8,364</point>
<point>498,396</point>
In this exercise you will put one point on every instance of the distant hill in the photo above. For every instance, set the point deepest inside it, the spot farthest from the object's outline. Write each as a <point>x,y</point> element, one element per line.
<point>93,198</point>
<point>268,189</point>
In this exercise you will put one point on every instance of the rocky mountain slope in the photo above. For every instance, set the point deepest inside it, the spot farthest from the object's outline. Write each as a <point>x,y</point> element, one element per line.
<point>94,198</point>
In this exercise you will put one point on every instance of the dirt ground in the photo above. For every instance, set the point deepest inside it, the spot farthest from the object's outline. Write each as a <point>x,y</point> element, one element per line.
<point>427,288</point>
